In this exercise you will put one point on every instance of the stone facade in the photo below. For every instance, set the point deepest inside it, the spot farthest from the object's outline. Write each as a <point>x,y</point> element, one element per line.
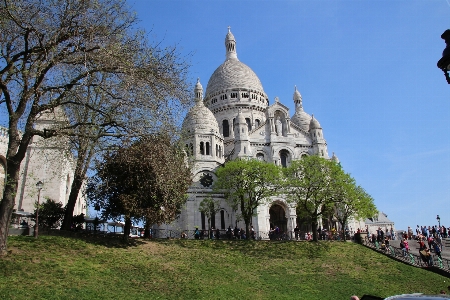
<point>49,161</point>
<point>235,119</point>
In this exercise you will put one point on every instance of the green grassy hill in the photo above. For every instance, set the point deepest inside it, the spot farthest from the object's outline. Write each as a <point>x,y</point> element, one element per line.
<point>68,268</point>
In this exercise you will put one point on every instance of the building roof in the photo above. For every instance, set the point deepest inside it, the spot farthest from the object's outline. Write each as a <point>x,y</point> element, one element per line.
<point>232,74</point>
<point>381,218</point>
<point>200,119</point>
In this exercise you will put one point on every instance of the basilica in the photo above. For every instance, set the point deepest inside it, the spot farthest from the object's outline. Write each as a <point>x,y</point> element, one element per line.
<point>233,118</point>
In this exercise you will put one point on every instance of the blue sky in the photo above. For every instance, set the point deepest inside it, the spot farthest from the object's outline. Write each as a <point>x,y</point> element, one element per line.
<point>365,69</point>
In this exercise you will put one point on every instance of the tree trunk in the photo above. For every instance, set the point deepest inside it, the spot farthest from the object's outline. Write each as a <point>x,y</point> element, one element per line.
<point>17,148</point>
<point>147,229</point>
<point>83,160</point>
<point>73,196</point>
<point>8,202</point>
<point>247,229</point>
<point>314,230</point>
<point>344,221</point>
<point>126,229</point>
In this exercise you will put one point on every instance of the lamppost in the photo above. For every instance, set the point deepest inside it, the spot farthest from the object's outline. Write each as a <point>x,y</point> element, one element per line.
<point>439,220</point>
<point>39,186</point>
<point>444,62</point>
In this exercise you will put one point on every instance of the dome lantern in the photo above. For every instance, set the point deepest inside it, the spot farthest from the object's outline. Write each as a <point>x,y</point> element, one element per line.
<point>230,45</point>
<point>198,90</point>
<point>297,100</point>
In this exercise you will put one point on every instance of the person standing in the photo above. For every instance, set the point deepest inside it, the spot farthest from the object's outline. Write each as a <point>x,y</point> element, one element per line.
<point>196,233</point>
<point>296,230</point>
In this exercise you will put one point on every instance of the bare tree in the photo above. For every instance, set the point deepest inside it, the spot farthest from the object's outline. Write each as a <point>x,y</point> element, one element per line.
<point>53,53</point>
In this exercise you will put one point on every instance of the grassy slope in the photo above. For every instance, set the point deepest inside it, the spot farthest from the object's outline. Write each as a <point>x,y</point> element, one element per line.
<point>66,268</point>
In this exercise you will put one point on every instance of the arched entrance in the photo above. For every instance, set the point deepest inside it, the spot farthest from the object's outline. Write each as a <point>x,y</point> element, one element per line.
<point>278,217</point>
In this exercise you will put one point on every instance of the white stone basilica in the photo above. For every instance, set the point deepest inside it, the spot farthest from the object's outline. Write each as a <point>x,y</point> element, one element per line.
<point>233,119</point>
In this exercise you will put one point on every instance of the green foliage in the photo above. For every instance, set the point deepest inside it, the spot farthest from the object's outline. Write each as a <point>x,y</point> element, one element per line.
<point>247,184</point>
<point>146,179</point>
<point>320,187</point>
<point>51,214</point>
<point>353,202</point>
<point>78,221</point>
<point>67,268</point>
<point>311,184</point>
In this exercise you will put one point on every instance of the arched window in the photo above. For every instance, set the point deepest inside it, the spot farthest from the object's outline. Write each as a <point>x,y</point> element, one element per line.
<point>249,124</point>
<point>222,219</point>
<point>203,220</point>
<point>257,122</point>
<point>284,154</point>
<point>260,157</point>
<point>245,150</point>
<point>225,128</point>
<point>192,149</point>
<point>202,148</point>
<point>217,150</point>
<point>213,220</point>
<point>207,148</point>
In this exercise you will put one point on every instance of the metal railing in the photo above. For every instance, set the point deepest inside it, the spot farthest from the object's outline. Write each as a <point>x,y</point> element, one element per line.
<point>417,260</point>
<point>224,234</point>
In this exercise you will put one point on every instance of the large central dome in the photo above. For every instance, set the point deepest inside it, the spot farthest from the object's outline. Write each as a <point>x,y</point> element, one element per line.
<point>232,74</point>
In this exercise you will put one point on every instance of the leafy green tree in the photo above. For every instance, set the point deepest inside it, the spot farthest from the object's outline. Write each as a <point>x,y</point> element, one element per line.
<point>51,214</point>
<point>52,55</point>
<point>352,201</point>
<point>209,207</point>
<point>146,180</point>
<point>247,184</point>
<point>311,184</point>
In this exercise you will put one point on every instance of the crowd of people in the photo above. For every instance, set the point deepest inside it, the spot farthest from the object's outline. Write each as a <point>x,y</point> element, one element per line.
<point>230,233</point>
<point>427,238</point>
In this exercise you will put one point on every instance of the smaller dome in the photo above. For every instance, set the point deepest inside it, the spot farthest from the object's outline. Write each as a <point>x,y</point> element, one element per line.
<point>335,158</point>
<point>200,119</point>
<point>314,124</point>
<point>301,119</point>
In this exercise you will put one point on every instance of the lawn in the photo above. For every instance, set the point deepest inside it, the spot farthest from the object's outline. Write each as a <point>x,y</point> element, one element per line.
<point>69,268</point>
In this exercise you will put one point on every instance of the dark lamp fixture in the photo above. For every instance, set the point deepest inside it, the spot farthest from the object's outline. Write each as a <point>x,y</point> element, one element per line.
<point>39,185</point>
<point>444,62</point>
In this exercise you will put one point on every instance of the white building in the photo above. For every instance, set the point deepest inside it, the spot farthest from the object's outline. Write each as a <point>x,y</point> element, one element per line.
<point>48,161</point>
<point>234,118</point>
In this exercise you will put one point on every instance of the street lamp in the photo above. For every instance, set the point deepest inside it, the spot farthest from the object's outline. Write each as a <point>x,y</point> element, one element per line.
<point>39,186</point>
<point>444,62</point>
<point>439,220</point>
